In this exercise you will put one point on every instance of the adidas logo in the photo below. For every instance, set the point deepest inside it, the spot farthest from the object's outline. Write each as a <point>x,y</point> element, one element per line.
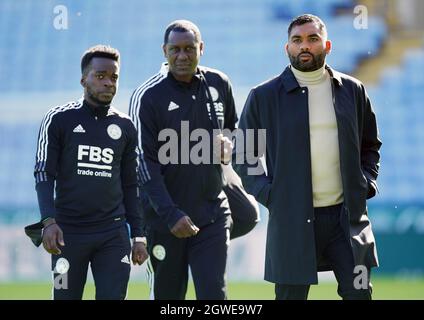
<point>79,129</point>
<point>173,106</point>
<point>125,259</point>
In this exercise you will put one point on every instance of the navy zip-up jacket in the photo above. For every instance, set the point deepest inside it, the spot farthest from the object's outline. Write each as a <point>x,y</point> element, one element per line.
<point>90,154</point>
<point>177,189</point>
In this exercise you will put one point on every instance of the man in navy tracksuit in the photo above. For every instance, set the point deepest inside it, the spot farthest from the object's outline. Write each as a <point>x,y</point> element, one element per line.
<point>89,150</point>
<point>190,220</point>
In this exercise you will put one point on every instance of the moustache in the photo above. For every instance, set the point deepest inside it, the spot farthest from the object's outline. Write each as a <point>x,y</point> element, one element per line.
<point>305,53</point>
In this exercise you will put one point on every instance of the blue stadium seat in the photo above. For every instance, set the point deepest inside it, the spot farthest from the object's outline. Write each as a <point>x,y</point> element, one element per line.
<point>246,41</point>
<point>137,32</point>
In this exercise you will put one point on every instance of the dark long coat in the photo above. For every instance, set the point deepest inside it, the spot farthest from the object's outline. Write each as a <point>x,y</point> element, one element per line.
<point>280,106</point>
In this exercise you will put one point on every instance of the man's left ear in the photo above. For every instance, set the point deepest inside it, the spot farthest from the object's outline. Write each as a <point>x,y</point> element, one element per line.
<point>82,81</point>
<point>328,46</point>
<point>164,50</point>
<point>202,45</point>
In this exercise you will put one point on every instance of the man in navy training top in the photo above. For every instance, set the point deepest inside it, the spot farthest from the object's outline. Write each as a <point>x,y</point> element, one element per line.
<point>88,149</point>
<point>186,211</point>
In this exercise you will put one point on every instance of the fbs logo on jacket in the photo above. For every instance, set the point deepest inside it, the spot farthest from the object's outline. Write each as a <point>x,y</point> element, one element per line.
<point>93,157</point>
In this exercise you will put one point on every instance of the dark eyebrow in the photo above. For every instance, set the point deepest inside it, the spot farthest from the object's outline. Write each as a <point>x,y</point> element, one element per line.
<point>309,36</point>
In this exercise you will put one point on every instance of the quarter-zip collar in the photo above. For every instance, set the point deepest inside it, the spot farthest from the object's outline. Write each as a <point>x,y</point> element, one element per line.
<point>193,84</point>
<point>96,111</point>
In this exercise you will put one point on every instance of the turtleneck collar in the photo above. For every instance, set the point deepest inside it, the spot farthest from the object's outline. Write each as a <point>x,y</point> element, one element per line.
<point>311,77</point>
<point>98,111</point>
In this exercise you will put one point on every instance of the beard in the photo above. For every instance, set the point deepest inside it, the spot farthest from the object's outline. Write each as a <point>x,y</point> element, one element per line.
<point>316,62</point>
<point>96,98</point>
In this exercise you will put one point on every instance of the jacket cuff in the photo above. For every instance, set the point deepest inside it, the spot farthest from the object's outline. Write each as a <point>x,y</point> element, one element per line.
<point>136,232</point>
<point>372,185</point>
<point>174,217</point>
<point>45,197</point>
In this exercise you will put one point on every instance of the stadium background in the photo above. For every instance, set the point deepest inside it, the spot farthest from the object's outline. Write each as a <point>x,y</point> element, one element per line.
<point>381,42</point>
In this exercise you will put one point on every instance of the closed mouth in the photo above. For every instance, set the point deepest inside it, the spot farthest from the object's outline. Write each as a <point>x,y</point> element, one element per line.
<point>305,55</point>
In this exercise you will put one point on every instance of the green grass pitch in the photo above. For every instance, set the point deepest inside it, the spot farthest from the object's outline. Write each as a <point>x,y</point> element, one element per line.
<point>383,289</point>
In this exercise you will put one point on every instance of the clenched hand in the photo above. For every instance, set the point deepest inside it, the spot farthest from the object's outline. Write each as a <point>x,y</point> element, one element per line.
<point>184,228</point>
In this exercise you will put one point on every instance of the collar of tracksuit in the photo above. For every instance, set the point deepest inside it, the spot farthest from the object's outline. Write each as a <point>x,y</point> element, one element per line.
<point>97,111</point>
<point>193,84</point>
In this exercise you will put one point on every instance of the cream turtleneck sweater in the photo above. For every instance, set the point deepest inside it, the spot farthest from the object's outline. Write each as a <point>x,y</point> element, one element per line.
<point>325,160</point>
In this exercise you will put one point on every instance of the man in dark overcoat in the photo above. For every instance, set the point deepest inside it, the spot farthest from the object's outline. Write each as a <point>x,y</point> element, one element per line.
<point>321,148</point>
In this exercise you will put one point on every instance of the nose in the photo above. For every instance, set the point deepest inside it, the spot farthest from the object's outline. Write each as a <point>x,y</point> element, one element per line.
<point>304,46</point>
<point>108,83</point>
<point>182,55</point>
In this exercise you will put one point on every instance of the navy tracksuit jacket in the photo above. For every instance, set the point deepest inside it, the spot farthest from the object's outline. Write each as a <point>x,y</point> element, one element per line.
<point>174,190</point>
<point>159,107</point>
<point>90,155</point>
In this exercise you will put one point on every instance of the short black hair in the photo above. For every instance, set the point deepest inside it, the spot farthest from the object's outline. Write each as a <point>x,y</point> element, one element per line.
<point>307,18</point>
<point>101,51</point>
<point>182,26</point>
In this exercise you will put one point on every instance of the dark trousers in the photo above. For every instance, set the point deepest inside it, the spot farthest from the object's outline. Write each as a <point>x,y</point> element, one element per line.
<point>108,253</point>
<point>205,254</point>
<point>332,244</point>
